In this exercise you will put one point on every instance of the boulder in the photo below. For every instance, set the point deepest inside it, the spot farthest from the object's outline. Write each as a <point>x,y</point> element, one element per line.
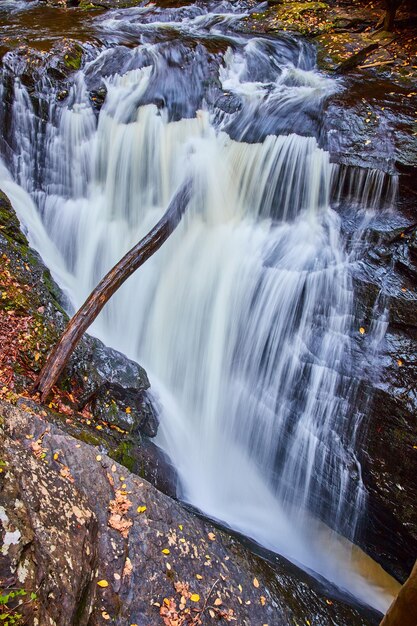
<point>94,544</point>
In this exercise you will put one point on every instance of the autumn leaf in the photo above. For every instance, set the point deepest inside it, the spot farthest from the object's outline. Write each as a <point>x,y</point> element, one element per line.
<point>65,473</point>
<point>128,568</point>
<point>123,525</point>
<point>103,583</point>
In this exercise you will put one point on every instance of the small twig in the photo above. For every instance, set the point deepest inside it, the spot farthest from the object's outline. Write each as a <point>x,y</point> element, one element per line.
<point>205,605</point>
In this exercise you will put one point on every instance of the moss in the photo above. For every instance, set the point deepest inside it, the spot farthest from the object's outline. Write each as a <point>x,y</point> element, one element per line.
<point>73,58</point>
<point>53,290</point>
<point>88,437</point>
<point>9,223</point>
<point>86,5</point>
<point>123,454</point>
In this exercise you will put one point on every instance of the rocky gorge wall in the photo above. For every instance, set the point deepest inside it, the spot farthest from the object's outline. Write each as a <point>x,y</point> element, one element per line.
<point>385,279</point>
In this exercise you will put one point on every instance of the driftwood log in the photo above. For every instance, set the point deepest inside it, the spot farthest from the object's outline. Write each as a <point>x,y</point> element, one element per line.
<point>403,610</point>
<point>84,317</point>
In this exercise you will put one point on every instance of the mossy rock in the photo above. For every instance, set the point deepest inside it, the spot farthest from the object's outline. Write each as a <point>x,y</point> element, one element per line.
<point>307,18</point>
<point>9,224</point>
<point>295,10</point>
<point>85,5</point>
<point>73,57</point>
<point>335,48</point>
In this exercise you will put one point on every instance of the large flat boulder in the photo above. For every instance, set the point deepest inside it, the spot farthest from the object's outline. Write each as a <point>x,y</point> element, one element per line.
<point>98,544</point>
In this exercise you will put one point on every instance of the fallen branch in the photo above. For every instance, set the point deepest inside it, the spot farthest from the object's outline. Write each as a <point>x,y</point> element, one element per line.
<point>141,252</point>
<point>376,64</point>
<point>402,611</point>
<point>355,59</point>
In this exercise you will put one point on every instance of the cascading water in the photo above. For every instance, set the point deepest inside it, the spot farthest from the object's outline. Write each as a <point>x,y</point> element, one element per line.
<point>244,319</point>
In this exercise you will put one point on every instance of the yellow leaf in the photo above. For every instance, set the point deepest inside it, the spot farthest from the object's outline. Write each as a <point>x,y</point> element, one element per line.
<point>128,409</point>
<point>141,509</point>
<point>56,455</point>
<point>217,602</point>
<point>256,582</point>
<point>103,583</point>
<point>194,597</point>
<point>105,615</point>
<point>262,600</point>
<point>362,330</point>
<point>165,551</point>
<point>199,576</point>
<point>180,526</point>
<point>211,536</point>
<point>399,362</point>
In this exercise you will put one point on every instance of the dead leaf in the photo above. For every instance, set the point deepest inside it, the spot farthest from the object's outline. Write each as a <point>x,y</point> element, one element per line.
<point>128,568</point>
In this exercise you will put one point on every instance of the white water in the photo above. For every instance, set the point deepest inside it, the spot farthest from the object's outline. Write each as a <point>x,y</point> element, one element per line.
<point>243,319</point>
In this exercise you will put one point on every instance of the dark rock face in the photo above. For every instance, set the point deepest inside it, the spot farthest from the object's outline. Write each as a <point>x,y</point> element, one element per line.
<point>389,452</point>
<point>97,543</point>
<point>115,388</point>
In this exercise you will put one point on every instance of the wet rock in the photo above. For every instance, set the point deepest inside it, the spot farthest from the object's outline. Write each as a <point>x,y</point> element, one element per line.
<point>370,124</point>
<point>125,407</point>
<point>98,543</point>
<point>388,448</point>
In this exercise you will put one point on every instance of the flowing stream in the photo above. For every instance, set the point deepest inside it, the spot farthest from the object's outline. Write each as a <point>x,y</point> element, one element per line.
<point>245,319</point>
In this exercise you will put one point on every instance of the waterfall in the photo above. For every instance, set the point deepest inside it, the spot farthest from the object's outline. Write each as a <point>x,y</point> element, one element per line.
<point>244,319</point>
